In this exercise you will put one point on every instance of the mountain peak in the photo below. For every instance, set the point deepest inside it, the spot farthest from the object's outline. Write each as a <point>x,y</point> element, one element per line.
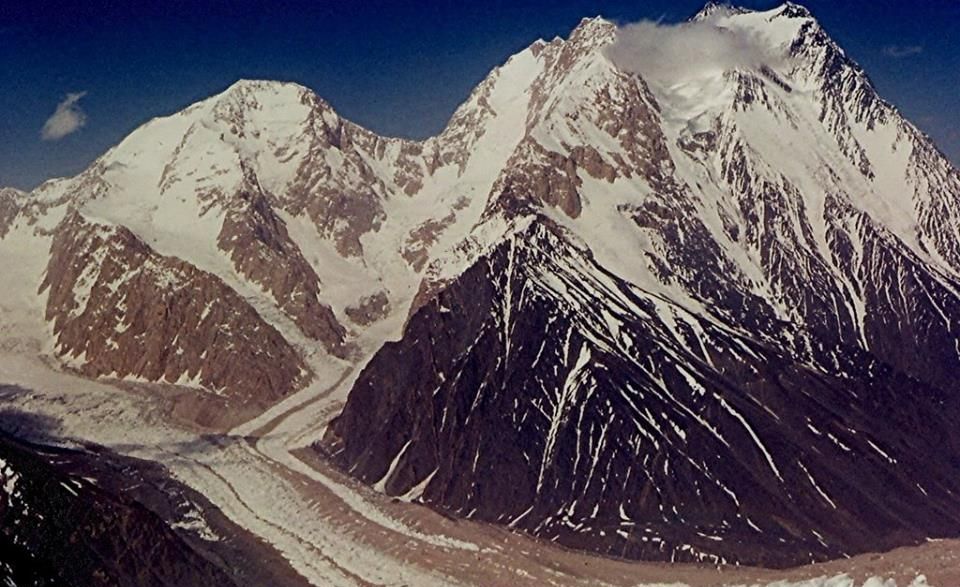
<point>596,30</point>
<point>252,91</point>
<point>714,9</point>
<point>793,10</point>
<point>258,85</point>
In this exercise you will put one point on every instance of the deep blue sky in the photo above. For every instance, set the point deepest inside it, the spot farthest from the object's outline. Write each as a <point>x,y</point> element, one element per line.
<point>398,67</point>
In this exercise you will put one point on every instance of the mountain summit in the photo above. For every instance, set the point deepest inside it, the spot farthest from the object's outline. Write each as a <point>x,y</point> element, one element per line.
<point>702,312</point>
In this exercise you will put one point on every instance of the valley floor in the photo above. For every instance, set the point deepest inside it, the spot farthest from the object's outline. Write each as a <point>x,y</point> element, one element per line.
<point>336,532</point>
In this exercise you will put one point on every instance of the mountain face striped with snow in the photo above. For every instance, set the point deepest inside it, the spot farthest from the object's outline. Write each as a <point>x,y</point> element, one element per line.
<point>711,319</point>
<point>719,326</point>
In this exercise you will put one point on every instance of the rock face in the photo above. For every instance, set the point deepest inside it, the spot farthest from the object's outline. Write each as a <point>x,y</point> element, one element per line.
<point>9,207</point>
<point>261,250</point>
<point>539,392</point>
<point>370,309</point>
<point>120,309</point>
<point>671,337</point>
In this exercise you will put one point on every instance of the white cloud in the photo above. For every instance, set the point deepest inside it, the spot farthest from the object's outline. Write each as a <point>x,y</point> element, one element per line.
<point>662,53</point>
<point>899,51</point>
<point>66,119</point>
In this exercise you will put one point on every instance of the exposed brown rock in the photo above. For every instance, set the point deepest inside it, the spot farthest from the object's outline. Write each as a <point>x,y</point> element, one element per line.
<point>370,309</point>
<point>261,249</point>
<point>634,120</point>
<point>345,201</point>
<point>345,217</point>
<point>536,176</point>
<point>416,251</point>
<point>409,173</point>
<point>121,309</point>
<point>466,127</point>
<point>560,58</point>
<point>622,106</point>
<point>591,161</point>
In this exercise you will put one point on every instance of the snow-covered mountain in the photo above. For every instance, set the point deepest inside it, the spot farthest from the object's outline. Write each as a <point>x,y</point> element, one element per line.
<point>703,317</point>
<point>720,324</point>
<point>244,244</point>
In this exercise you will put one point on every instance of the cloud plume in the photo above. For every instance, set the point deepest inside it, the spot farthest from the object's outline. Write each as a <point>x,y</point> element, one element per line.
<point>663,53</point>
<point>900,51</point>
<point>66,119</point>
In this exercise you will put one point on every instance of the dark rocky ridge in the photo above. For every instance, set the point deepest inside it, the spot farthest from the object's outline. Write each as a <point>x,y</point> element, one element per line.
<point>109,519</point>
<point>9,208</point>
<point>87,536</point>
<point>660,443</point>
<point>261,249</point>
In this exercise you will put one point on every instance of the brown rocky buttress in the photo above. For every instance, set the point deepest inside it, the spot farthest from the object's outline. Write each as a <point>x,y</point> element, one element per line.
<point>120,309</point>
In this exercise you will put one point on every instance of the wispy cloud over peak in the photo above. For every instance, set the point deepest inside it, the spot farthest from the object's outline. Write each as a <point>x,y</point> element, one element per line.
<point>664,53</point>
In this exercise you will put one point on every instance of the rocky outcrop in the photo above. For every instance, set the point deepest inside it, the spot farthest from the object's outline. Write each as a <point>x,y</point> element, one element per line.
<point>120,309</point>
<point>343,201</point>
<point>9,208</point>
<point>549,179</point>
<point>343,215</point>
<point>370,309</point>
<point>416,249</point>
<point>261,249</point>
